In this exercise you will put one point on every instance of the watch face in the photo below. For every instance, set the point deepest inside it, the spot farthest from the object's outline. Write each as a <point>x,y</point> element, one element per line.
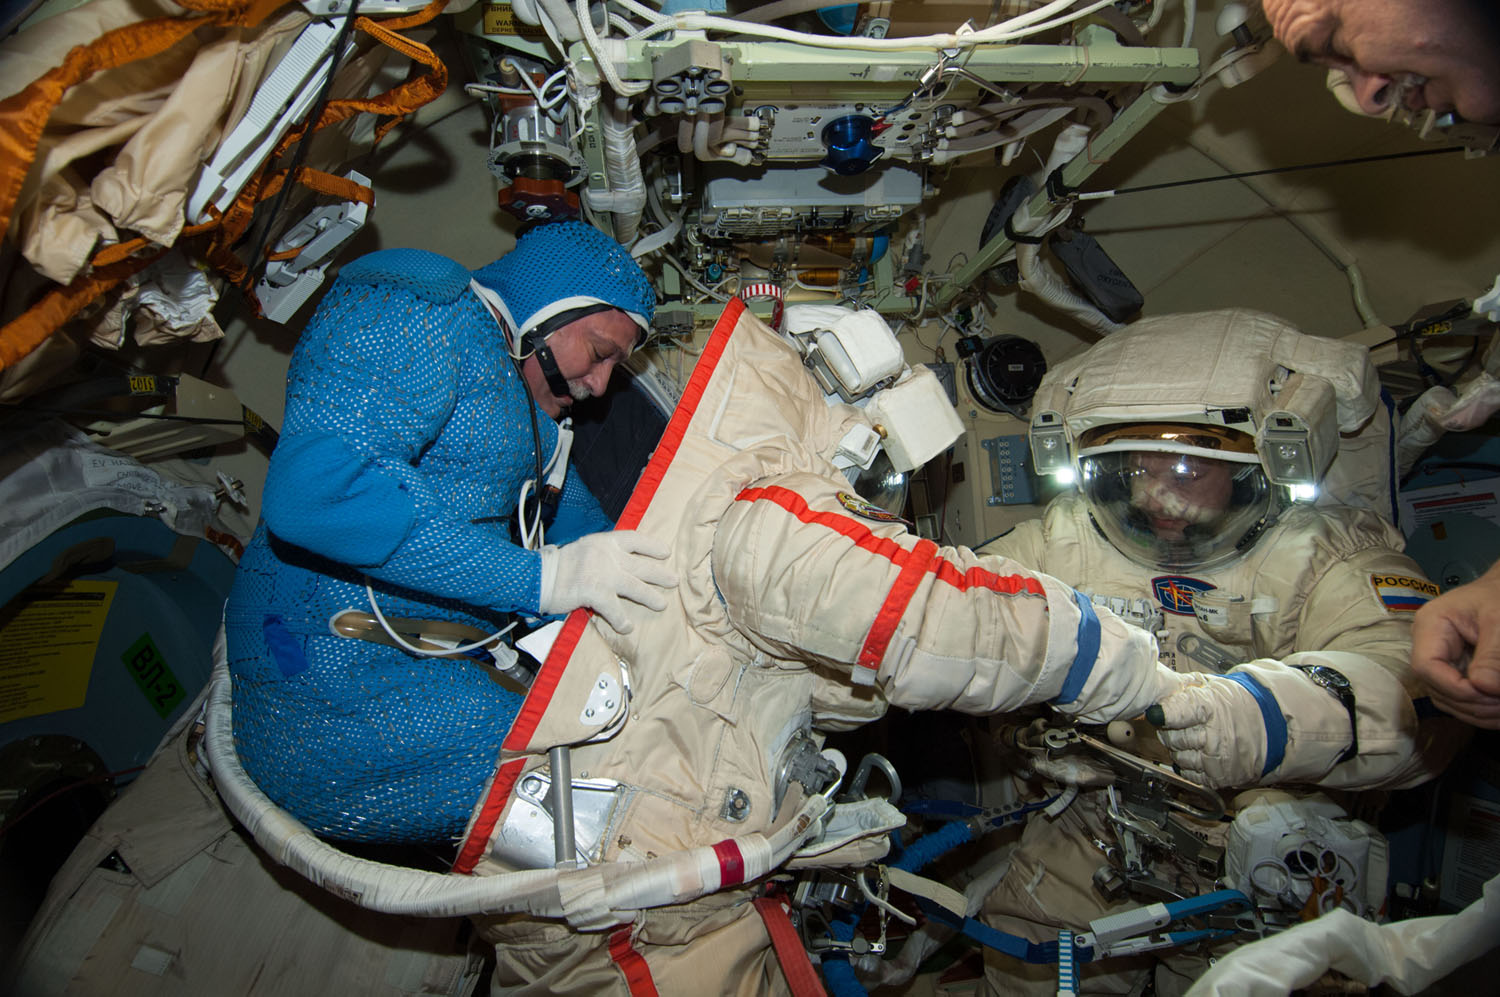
<point>1328,676</point>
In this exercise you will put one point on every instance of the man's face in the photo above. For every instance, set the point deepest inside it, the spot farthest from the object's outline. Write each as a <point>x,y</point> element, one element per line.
<point>1175,491</point>
<point>586,352</point>
<point>1438,54</point>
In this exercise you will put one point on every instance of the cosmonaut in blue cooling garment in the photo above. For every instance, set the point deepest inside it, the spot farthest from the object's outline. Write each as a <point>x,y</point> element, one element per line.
<point>406,442</point>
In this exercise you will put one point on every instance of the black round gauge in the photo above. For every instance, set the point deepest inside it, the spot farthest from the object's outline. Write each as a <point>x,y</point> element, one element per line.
<point>1005,372</point>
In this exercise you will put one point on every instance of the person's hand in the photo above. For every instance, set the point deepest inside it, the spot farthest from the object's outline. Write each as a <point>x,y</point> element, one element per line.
<point>1215,730</point>
<point>602,570</point>
<point>1455,650</point>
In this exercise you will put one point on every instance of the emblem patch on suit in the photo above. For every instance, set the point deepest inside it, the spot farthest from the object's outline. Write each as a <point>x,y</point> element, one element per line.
<point>1403,593</point>
<point>1175,592</point>
<point>867,510</point>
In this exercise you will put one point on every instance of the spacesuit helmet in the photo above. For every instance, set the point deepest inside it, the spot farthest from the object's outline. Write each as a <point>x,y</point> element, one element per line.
<point>1189,434</point>
<point>561,271</point>
<point>1175,496</point>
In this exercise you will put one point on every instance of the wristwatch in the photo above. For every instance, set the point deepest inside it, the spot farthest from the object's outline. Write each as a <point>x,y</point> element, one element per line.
<point>1334,681</point>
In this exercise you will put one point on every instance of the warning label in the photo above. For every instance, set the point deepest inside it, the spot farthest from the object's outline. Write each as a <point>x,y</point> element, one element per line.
<point>48,637</point>
<point>500,19</point>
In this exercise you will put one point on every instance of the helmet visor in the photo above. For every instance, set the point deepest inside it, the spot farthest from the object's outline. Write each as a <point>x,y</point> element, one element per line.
<point>1175,511</point>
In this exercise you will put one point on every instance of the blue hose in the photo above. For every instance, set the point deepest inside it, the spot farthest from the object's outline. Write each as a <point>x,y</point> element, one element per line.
<point>837,972</point>
<point>931,847</point>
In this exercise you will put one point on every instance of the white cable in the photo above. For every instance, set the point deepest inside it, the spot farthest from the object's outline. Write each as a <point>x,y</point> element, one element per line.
<point>1158,8</point>
<point>641,10</point>
<point>882,903</point>
<point>1022,26</point>
<point>662,237</point>
<point>423,652</point>
<point>674,878</point>
<point>533,537</point>
<point>1064,800</point>
<point>537,92</point>
<point>601,59</point>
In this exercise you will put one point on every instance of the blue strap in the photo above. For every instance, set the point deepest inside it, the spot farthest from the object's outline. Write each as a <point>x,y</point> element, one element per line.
<point>284,648</point>
<point>1088,652</point>
<point>1039,953</point>
<point>1270,713</point>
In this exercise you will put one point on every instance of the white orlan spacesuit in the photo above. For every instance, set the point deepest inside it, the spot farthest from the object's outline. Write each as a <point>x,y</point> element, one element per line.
<point>801,609</point>
<point>1185,432</point>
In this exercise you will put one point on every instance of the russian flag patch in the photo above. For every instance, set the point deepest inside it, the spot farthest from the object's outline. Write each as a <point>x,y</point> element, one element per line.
<point>1403,593</point>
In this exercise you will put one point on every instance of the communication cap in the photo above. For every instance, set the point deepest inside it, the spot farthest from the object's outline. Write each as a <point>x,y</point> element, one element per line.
<point>562,267</point>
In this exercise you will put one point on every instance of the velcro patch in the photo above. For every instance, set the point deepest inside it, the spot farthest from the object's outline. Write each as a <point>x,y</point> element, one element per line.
<point>1403,593</point>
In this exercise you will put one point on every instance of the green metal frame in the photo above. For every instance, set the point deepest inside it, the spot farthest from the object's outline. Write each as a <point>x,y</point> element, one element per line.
<point>765,72</point>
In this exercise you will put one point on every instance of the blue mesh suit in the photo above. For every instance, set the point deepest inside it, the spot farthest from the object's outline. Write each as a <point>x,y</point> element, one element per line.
<point>407,439</point>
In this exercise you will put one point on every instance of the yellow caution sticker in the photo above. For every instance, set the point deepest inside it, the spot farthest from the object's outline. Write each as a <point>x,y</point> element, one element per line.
<point>500,19</point>
<point>1403,593</point>
<point>48,638</point>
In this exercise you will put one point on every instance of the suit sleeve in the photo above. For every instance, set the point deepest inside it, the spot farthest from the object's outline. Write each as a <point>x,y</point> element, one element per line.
<point>1357,619</point>
<point>809,572</point>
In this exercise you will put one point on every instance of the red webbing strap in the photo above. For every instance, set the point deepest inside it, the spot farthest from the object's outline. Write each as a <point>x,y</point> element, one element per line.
<point>540,694</point>
<point>632,964</point>
<point>800,975</point>
<point>919,560</point>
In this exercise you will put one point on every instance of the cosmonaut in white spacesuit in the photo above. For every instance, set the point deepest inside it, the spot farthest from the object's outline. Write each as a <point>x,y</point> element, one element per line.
<point>802,608</point>
<point>1190,436</point>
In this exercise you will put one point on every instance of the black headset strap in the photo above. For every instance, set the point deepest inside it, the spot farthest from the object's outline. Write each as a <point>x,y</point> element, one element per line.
<point>548,364</point>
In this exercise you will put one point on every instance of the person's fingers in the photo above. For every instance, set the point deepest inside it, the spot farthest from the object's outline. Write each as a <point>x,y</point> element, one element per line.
<point>641,592</point>
<point>636,542</point>
<point>654,573</point>
<point>611,610</point>
<point>1190,765</point>
<point>1484,665</point>
<point>1481,712</point>
<point>1437,650</point>
<point>1184,739</point>
<point>1186,707</point>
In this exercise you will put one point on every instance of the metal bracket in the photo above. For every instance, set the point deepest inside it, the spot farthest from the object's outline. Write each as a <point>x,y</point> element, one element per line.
<point>288,283</point>
<point>604,702</point>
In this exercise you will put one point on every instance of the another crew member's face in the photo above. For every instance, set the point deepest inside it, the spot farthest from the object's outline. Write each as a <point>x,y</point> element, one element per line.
<point>1175,491</point>
<point>1438,54</point>
<point>586,351</point>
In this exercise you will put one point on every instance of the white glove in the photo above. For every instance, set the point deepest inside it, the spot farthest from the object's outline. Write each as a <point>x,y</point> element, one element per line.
<point>1122,701</point>
<point>1215,730</point>
<point>603,569</point>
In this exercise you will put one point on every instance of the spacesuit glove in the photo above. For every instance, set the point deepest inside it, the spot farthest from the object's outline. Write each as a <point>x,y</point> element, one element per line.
<point>1122,700</point>
<point>601,571</point>
<point>1216,730</point>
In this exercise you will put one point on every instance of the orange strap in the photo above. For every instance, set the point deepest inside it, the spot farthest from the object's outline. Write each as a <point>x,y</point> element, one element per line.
<point>800,975</point>
<point>31,328</point>
<point>23,115</point>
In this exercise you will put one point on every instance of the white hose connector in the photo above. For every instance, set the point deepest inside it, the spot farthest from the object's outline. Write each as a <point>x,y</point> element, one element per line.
<point>613,890</point>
